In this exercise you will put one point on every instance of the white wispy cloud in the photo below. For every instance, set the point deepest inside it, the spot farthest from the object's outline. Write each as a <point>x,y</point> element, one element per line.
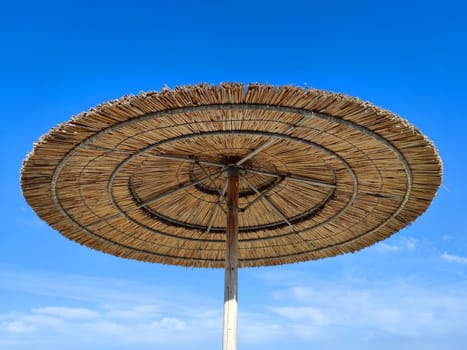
<point>67,312</point>
<point>399,245</point>
<point>389,247</point>
<point>454,258</point>
<point>103,327</point>
<point>82,312</point>
<point>400,308</point>
<point>368,313</point>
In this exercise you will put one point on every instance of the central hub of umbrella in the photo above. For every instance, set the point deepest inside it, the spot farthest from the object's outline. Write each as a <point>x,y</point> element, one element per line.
<point>262,183</point>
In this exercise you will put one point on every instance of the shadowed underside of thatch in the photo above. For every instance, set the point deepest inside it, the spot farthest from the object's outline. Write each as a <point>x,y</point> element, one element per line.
<point>144,177</point>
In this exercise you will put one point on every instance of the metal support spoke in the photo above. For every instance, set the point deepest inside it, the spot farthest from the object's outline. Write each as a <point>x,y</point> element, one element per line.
<point>267,144</point>
<point>291,177</point>
<point>213,218</point>
<point>266,199</point>
<point>221,195</point>
<point>156,198</point>
<point>261,195</point>
<point>189,159</point>
<point>279,212</point>
<point>178,189</point>
<point>256,151</point>
<point>216,209</point>
<point>106,149</point>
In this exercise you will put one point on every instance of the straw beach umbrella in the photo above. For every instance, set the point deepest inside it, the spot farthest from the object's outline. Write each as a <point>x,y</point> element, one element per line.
<point>231,176</point>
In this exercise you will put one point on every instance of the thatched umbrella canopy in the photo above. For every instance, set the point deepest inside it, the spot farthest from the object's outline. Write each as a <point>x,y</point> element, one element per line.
<point>302,174</point>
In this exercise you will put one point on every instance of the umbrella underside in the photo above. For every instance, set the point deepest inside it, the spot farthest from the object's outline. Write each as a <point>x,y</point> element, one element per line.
<point>145,177</point>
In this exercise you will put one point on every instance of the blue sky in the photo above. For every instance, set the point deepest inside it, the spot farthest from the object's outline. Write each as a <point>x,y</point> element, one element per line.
<point>60,58</point>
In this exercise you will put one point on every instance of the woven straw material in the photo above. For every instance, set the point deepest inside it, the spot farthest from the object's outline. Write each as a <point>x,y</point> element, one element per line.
<point>144,177</point>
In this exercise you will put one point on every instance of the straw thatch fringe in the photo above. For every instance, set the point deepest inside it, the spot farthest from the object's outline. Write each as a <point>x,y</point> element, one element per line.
<point>141,177</point>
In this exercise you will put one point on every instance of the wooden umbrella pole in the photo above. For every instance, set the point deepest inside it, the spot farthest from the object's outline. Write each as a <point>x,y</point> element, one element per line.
<point>231,262</point>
